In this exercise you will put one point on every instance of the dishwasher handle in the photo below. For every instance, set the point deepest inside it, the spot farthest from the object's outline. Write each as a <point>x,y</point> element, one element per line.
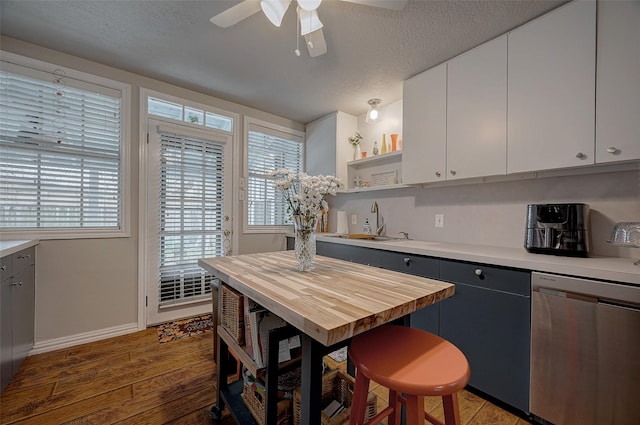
<point>566,294</point>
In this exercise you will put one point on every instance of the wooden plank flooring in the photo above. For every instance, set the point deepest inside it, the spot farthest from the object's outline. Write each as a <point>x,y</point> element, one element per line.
<point>133,379</point>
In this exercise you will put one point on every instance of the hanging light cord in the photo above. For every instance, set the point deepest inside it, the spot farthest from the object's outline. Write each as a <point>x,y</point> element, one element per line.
<point>297,51</point>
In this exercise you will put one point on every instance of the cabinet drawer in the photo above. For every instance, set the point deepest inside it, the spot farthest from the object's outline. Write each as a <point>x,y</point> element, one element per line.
<point>411,264</point>
<point>490,277</point>
<point>355,254</point>
<point>23,259</point>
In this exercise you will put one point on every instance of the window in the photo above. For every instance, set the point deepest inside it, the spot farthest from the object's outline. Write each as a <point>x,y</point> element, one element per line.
<point>269,149</point>
<point>61,153</point>
<point>176,111</point>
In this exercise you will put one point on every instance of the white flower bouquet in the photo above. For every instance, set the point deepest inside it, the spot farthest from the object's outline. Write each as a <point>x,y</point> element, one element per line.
<point>306,195</point>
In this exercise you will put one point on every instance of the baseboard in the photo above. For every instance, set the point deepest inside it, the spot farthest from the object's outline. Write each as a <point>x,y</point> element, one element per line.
<point>83,338</point>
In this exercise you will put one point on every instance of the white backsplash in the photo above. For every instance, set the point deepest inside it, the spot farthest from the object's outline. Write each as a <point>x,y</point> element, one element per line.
<point>494,213</point>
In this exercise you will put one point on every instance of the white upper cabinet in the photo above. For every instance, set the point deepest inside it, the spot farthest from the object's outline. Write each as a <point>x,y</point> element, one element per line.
<point>551,91</point>
<point>477,111</point>
<point>327,147</point>
<point>618,82</point>
<point>424,126</point>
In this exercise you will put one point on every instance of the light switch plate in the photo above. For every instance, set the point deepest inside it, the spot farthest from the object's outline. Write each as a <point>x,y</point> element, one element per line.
<point>354,219</point>
<point>440,220</point>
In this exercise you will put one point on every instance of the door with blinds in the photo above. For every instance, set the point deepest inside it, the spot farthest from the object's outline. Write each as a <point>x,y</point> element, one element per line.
<point>188,216</point>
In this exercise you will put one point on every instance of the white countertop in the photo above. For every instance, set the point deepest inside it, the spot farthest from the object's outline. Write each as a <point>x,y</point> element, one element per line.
<point>11,247</point>
<point>606,268</point>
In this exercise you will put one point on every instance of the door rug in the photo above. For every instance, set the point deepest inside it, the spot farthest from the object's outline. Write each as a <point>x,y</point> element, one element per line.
<point>178,329</point>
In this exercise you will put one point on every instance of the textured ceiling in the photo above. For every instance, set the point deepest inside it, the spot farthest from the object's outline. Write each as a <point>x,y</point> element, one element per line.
<point>370,50</point>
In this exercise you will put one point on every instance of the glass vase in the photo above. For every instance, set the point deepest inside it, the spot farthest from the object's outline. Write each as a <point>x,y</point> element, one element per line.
<point>305,245</point>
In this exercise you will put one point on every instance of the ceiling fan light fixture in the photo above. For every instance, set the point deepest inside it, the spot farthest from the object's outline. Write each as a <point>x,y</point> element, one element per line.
<point>309,21</point>
<point>373,114</point>
<point>275,10</point>
<point>309,4</point>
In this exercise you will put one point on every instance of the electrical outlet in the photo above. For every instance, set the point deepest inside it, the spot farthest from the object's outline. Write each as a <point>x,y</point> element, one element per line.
<point>440,220</point>
<point>354,219</point>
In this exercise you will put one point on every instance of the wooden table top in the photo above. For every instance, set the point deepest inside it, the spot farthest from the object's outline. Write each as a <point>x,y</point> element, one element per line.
<point>334,302</point>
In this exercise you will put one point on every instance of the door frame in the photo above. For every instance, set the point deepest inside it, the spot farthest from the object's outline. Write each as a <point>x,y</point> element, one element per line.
<point>143,184</point>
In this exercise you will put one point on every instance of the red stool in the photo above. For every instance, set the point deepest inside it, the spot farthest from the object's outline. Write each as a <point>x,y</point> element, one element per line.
<point>411,362</point>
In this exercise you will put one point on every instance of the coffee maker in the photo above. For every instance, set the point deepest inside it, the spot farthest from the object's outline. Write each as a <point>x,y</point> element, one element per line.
<point>558,229</point>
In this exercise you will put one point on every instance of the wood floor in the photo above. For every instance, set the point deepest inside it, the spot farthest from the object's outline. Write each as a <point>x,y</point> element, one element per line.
<point>133,379</point>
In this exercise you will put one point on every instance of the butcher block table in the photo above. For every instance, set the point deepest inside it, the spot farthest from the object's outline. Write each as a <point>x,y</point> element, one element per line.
<point>329,305</point>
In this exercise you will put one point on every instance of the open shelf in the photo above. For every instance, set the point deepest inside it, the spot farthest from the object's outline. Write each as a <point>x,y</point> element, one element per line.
<point>386,158</point>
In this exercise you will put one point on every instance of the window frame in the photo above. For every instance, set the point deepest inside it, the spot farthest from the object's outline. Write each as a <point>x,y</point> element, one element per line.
<point>248,122</point>
<point>124,229</point>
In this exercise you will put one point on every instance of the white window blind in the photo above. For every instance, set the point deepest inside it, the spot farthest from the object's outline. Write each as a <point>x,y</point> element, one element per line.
<point>191,214</point>
<point>269,150</point>
<point>60,152</point>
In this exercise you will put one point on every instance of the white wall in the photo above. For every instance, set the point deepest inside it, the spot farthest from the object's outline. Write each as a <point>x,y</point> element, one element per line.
<point>494,213</point>
<point>89,287</point>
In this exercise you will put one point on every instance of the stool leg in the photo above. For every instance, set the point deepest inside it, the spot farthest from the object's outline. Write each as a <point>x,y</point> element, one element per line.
<point>394,401</point>
<point>359,401</point>
<point>415,410</point>
<point>451,410</point>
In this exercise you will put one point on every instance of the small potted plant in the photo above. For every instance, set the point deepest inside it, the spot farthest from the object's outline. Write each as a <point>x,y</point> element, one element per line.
<point>354,139</point>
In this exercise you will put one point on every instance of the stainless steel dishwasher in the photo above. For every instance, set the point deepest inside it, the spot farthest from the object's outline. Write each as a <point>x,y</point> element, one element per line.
<point>585,351</point>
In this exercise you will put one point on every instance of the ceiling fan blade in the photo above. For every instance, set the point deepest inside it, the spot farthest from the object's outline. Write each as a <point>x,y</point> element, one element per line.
<point>386,4</point>
<point>237,13</point>
<point>315,43</point>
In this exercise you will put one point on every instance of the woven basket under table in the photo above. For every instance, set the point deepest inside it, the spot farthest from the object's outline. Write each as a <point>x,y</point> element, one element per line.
<point>336,385</point>
<point>232,317</point>
<point>256,406</point>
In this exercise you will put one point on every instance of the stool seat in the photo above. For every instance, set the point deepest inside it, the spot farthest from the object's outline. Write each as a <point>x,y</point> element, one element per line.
<point>412,364</point>
<point>410,360</point>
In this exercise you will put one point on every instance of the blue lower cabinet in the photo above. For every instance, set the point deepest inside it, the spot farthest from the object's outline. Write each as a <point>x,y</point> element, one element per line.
<point>428,318</point>
<point>488,319</point>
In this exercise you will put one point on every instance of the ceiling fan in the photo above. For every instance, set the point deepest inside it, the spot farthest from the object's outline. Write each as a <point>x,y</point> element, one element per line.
<point>309,24</point>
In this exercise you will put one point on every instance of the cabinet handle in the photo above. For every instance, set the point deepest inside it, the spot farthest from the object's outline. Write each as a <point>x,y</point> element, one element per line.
<point>438,174</point>
<point>453,172</point>
<point>580,155</point>
<point>478,272</point>
<point>24,257</point>
<point>17,283</point>
<point>612,149</point>
<point>407,260</point>
<point>3,267</point>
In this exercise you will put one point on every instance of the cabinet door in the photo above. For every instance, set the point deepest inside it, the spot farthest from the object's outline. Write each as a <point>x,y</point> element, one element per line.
<point>552,90</point>
<point>23,299</point>
<point>6,334</point>
<point>424,118</point>
<point>477,111</point>
<point>491,328</point>
<point>618,82</point>
<point>327,147</point>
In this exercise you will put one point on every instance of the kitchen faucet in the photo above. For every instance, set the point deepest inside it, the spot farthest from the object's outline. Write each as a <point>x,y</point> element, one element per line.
<point>380,226</point>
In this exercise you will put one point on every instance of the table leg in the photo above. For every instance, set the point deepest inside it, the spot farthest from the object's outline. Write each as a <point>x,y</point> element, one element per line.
<point>311,385</point>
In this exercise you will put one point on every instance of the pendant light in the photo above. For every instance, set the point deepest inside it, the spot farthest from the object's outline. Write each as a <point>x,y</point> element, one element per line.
<point>373,113</point>
<point>275,10</point>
